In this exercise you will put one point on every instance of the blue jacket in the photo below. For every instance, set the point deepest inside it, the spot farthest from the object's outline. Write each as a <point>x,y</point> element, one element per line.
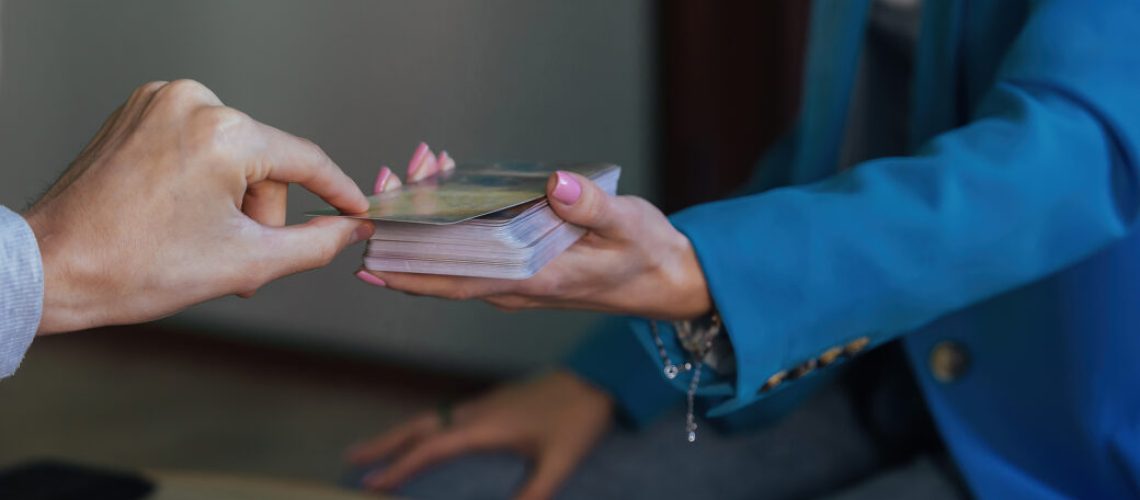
<point>1009,230</point>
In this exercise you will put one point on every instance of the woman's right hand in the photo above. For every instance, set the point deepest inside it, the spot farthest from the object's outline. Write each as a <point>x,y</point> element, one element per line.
<point>554,421</point>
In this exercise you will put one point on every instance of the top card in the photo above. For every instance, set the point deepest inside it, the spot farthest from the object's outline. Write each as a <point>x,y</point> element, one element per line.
<point>470,190</point>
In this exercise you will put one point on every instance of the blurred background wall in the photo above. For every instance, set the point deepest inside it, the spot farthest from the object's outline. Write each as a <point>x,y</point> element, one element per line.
<point>365,79</point>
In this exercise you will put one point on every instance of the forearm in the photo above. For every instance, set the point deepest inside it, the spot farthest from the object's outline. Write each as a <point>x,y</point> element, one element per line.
<point>21,290</point>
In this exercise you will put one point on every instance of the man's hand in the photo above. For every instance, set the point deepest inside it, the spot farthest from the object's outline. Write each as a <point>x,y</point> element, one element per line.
<point>179,199</point>
<point>632,261</point>
<point>554,421</point>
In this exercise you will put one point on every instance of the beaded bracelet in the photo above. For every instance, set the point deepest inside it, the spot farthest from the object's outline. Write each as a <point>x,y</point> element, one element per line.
<point>697,339</point>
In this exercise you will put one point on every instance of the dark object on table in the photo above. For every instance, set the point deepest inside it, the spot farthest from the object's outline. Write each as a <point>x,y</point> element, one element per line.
<point>52,480</point>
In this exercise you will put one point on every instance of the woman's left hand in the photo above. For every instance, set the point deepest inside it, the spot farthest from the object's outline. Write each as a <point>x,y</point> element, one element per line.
<point>631,261</point>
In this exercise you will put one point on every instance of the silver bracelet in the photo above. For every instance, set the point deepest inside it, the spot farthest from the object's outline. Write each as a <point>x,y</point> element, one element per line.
<point>698,339</point>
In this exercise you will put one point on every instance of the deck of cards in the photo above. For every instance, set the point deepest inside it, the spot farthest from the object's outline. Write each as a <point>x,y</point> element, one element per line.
<point>487,220</point>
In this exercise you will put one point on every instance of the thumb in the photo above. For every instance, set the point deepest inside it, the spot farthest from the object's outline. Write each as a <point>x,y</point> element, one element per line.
<point>310,245</point>
<point>579,201</point>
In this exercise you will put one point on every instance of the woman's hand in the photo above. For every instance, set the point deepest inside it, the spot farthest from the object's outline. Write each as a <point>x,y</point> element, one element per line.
<point>554,421</point>
<point>631,261</point>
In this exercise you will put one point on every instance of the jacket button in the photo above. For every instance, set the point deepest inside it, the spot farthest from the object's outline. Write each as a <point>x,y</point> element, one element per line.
<point>803,369</point>
<point>948,361</point>
<point>829,356</point>
<point>856,345</point>
<point>774,380</point>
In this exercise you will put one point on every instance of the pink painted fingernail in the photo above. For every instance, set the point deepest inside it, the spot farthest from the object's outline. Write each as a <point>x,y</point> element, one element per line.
<point>386,181</point>
<point>421,158</point>
<point>367,277</point>
<point>393,183</point>
<point>445,161</point>
<point>381,179</point>
<point>567,189</point>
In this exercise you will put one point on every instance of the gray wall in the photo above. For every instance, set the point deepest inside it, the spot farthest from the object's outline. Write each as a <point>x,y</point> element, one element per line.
<point>520,79</point>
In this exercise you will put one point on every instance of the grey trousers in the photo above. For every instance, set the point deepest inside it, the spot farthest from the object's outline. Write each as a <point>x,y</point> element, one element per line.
<point>821,450</point>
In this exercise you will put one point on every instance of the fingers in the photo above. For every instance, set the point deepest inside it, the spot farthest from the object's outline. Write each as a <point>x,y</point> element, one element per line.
<point>290,159</point>
<point>551,470</point>
<point>392,441</point>
<point>289,250</point>
<point>432,450</point>
<point>265,203</point>
<point>448,287</point>
<point>579,201</point>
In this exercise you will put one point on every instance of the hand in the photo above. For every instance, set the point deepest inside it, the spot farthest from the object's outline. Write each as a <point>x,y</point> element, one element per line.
<point>631,260</point>
<point>179,199</point>
<point>553,421</point>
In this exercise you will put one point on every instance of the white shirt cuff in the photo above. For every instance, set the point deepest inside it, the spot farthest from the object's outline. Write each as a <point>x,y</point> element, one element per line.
<point>21,289</point>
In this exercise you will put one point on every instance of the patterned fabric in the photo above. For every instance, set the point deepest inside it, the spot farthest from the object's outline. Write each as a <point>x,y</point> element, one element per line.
<point>21,289</point>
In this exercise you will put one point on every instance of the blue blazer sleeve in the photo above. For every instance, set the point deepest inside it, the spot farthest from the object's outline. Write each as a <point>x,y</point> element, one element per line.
<point>1044,174</point>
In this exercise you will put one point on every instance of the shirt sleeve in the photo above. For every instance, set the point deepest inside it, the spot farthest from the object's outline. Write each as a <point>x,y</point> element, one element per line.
<point>21,289</point>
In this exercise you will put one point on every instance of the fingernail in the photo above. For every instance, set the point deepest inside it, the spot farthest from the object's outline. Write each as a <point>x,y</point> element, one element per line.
<point>393,183</point>
<point>445,161</point>
<point>417,162</point>
<point>361,233</point>
<point>567,189</point>
<point>381,179</point>
<point>369,278</point>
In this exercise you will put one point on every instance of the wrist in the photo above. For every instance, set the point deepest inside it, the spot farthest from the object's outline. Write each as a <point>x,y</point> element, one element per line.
<point>64,308</point>
<point>689,294</point>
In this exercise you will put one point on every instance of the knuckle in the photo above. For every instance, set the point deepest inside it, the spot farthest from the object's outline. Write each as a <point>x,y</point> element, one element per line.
<point>148,88</point>
<point>220,117</point>
<point>632,211</point>
<point>599,208</point>
<point>184,95</point>
<point>186,88</point>
<point>595,207</point>
<point>212,127</point>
